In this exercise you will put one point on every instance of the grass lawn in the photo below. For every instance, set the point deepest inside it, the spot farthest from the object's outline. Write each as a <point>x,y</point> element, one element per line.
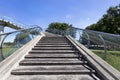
<point>7,51</point>
<point>113,57</point>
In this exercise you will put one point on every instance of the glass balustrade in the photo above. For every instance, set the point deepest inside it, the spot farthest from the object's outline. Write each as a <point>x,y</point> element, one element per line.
<point>12,41</point>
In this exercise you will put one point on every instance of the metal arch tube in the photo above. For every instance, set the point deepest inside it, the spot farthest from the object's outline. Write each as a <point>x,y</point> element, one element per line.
<point>88,44</point>
<point>80,37</point>
<point>105,49</point>
<point>1,52</point>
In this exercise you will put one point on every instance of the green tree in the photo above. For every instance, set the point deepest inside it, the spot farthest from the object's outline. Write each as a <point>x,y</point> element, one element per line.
<point>61,29</point>
<point>110,22</point>
<point>91,27</point>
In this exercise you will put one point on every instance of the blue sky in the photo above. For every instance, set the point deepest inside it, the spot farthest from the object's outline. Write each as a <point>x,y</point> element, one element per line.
<point>80,13</point>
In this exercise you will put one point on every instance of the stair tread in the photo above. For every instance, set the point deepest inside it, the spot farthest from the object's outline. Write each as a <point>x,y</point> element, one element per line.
<point>53,45</point>
<point>50,62</point>
<point>79,69</point>
<point>53,42</point>
<point>50,72</point>
<point>65,51</point>
<point>51,55</point>
<point>58,67</point>
<point>52,58</point>
<point>52,77</point>
<point>52,48</point>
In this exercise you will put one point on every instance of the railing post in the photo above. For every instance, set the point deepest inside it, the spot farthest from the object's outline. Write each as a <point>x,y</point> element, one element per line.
<point>105,49</point>
<point>79,36</point>
<point>1,54</point>
<point>67,32</point>
<point>2,27</point>
<point>88,37</point>
<point>1,46</point>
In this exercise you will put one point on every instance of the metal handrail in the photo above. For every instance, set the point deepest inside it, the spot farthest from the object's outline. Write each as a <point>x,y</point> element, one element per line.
<point>19,31</point>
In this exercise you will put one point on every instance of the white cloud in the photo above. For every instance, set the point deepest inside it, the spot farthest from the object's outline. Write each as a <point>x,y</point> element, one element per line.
<point>88,19</point>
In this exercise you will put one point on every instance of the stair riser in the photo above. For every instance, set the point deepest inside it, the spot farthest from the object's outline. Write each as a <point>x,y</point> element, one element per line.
<point>53,44</point>
<point>52,41</point>
<point>53,57</point>
<point>48,73</point>
<point>52,49</point>
<point>34,64</point>
<point>53,52</point>
<point>56,45</point>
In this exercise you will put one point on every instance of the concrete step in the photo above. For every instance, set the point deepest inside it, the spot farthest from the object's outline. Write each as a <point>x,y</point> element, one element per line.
<point>58,37</point>
<point>52,56</point>
<point>51,62</point>
<point>51,35</point>
<point>59,67</point>
<point>53,51</point>
<point>53,45</point>
<point>53,38</point>
<point>50,70</point>
<point>53,41</point>
<point>51,59</point>
<point>52,48</point>
<point>52,77</point>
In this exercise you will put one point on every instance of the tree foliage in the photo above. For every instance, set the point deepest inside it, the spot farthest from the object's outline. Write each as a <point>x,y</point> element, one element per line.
<point>61,28</point>
<point>110,22</point>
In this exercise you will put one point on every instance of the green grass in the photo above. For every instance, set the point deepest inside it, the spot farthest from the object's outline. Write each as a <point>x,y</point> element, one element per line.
<point>113,57</point>
<point>7,51</point>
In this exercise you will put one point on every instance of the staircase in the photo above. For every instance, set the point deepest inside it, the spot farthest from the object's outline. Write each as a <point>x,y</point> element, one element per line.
<point>53,58</point>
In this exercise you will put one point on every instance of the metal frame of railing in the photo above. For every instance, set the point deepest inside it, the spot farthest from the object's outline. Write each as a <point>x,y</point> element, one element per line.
<point>6,34</point>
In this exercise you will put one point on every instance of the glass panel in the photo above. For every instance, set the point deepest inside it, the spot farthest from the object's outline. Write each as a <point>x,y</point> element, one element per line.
<point>10,42</point>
